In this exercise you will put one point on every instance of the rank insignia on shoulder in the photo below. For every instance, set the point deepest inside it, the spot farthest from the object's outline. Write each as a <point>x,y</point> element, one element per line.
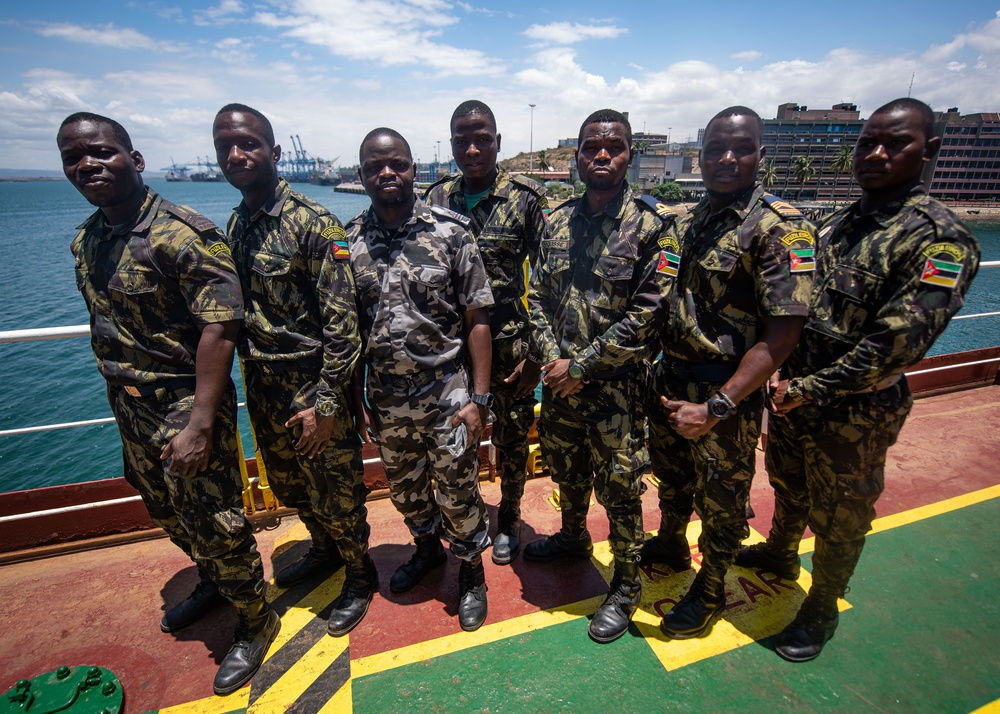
<point>661,209</point>
<point>218,249</point>
<point>941,272</point>
<point>340,249</point>
<point>453,215</point>
<point>803,260</point>
<point>797,237</point>
<point>782,208</point>
<point>334,232</point>
<point>668,264</point>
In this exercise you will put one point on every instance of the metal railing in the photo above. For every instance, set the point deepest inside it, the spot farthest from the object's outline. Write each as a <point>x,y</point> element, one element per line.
<point>59,333</point>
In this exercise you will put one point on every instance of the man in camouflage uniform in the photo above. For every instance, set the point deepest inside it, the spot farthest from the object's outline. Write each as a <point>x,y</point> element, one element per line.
<point>165,308</point>
<point>745,270</point>
<point>596,294</point>
<point>423,296</point>
<point>507,219</point>
<point>892,270</point>
<point>299,345</point>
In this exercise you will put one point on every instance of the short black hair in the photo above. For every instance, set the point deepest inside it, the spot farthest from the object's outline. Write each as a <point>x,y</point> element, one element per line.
<point>121,136</point>
<point>383,131</point>
<point>237,107</point>
<point>739,111</point>
<point>473,107</point>
<point>909,104</point>
<point>606,116</point>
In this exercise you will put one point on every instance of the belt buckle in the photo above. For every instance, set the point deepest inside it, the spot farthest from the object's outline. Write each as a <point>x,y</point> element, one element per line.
<point>132,390</point>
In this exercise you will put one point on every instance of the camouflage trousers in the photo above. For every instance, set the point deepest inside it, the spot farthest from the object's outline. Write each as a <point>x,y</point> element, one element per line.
<point>711,474</point>
<point>514,418</point>
<point>593,441</point>
<point>328,491</point>
<point>827,467</point>
<point>432,469</point>
<point>202,515</point>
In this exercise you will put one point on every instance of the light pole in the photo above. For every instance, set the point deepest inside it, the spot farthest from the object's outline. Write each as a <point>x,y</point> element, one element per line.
<point>531,142</point>
<point>437,169</point>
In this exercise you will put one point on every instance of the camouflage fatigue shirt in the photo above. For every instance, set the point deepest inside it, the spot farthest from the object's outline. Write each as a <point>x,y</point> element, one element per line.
<point>294,266</point>
<point>414,285</point>
<point>598,290</point>
<point>886,286</point>
<point>753,258</point>
<point>150,287</point>
<point>507,225</point>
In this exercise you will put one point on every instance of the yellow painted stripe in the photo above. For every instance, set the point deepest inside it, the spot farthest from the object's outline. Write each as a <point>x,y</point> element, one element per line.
<point>297,679</point>
<point>342,701</point>
<point>920,513</point>
<point>448,644</point>
<point>991,708</point>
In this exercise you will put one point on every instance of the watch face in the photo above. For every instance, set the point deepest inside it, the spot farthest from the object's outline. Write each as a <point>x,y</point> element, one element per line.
<point>575,372</point>
<point>325,408</point>
<point>718,408</point>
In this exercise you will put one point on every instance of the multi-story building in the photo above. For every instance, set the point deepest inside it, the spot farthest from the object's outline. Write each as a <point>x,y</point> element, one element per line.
<point>968,163</point>
<point>823,140</point>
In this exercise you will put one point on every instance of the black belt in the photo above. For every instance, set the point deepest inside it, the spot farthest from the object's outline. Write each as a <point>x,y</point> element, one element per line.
<point>151,388</point>
<point>285,365</point>
<point>688,372</point>
<point>508,311</point>
<point>418,379</point>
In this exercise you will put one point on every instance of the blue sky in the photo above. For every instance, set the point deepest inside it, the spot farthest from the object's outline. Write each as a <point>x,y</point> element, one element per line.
<point>330,70</point>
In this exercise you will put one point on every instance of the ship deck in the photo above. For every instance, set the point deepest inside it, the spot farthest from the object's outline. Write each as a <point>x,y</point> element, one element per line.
<point>918,630</point>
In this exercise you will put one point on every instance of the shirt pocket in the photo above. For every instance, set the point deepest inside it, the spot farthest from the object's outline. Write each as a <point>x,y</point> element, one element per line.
<point>613,281</point>
<point>132,291</point>
<point>426,286</point>
<point>499,245</point>
<point>853,296</point>
<point>719,260</point>
<point>269,277</point>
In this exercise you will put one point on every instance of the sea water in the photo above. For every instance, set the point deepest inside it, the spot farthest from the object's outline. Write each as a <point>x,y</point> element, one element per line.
<point>57,381</point>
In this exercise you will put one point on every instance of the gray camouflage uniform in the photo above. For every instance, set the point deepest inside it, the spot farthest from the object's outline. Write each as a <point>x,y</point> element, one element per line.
<point>299,344</point>
<point>597,295</point>
<point>150,286</point>
<point>414,285</point>
<point>886,286</point>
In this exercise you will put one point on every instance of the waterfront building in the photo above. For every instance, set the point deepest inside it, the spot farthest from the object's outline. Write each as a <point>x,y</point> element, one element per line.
<point>968,165</point>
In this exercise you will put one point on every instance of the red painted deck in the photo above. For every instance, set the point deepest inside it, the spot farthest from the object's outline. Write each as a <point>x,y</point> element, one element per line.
<point>103,606</point>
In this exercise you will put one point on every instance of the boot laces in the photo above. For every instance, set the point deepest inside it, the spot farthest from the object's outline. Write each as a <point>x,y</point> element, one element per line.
<point>468,577</point>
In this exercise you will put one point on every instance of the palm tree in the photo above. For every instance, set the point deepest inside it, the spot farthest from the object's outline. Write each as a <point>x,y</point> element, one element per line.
<point>542,163</point>
<point>768,174</point>
<point>804,170</point>
<point>843,161</point>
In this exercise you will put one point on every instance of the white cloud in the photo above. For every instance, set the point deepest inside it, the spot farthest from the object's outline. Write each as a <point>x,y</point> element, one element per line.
<point>123,38</point>
<point>955,66</point>
<point>388,32</point>
<point>747,55</point>
<point>219,14</point>
<point>565,33</point>
<point>233,50</point>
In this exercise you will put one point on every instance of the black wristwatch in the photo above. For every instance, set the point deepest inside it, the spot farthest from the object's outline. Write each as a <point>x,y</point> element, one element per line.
<point>720,406</point>
<point>483,400</point>
<point>575,371</point>
<point>326,407</point>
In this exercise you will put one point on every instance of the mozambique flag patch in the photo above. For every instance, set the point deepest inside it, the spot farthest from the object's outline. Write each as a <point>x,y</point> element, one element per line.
<point>340,250</point>
<point>669,263</point>
<point>802,260</point>
<point>941,272</point>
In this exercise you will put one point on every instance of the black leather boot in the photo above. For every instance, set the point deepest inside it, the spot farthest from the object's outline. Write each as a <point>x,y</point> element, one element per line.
<point>812,628</point>
<point>472,606</point>
<point>507,543</point>
<point>559,545</point>
<point>323,558</point>
<point>430,554</point>
<point>773,557</point>
<point>257,627</point>
<point>694,615</point>
<point>669,546</point>
<point>360,585</point>
<point>200,602</point>
<point>612,617</point>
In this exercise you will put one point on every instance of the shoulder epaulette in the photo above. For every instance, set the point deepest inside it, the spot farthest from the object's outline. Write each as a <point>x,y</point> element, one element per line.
<point>453,215</point>
<point>439,182</point>
<point>782,208</point>
<point>189,216</point>
<point>318,208</point>
<point>528,183</point>
<point>664,211</point>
